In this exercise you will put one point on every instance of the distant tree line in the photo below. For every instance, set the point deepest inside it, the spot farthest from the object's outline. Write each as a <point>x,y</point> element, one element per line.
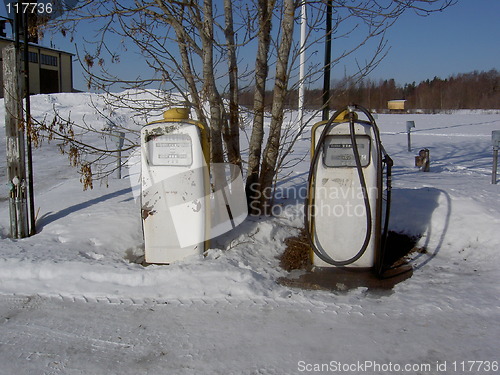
<point>475,90</point>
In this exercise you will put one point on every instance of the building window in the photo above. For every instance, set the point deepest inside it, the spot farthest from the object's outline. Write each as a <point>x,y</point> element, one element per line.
<point>32,57</point>
<point>48,60</point>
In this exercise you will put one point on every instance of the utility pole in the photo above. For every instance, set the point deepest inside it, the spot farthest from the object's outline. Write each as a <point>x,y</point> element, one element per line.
<point>17,123</point>
<point>19,149</point>
<point>15,144</point>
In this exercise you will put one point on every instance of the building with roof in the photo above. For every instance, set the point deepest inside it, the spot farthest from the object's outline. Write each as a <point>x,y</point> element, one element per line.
<point>396,105</point>
<point>51,70</point>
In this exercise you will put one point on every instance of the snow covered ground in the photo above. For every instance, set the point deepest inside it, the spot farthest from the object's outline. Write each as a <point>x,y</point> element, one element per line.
<point>74,300</point>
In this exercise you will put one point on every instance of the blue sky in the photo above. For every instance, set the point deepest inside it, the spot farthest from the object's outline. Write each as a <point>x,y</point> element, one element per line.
<point>463,38</point>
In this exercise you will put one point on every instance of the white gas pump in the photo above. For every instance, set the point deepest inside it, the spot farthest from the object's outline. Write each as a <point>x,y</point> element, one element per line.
<point>175,187</point>
<point>343,210</point>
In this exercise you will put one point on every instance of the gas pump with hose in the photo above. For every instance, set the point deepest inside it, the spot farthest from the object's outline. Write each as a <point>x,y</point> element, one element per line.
<point>344,203</point>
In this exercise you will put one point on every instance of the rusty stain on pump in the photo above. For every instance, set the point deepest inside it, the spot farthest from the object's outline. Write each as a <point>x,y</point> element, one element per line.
<point>146,212</point>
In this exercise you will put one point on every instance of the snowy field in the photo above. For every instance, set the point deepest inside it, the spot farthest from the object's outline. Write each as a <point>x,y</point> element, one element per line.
<point>74,300</point>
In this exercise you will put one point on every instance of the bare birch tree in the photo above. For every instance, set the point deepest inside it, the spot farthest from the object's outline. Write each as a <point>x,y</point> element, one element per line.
<point>270,157</point>
<point>265,14</point>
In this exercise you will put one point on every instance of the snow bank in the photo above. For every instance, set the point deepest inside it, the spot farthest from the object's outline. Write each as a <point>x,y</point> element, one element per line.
<point>90,243</point>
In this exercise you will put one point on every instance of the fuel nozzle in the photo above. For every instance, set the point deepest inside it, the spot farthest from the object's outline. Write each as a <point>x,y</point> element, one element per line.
<point>352,112</point>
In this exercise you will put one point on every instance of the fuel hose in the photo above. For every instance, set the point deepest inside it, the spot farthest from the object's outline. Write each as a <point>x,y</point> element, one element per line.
<point>309,215</point>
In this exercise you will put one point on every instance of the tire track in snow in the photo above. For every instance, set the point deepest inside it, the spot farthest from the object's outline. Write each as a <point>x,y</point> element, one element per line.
<point>307,305</point>
<point>22,301</point>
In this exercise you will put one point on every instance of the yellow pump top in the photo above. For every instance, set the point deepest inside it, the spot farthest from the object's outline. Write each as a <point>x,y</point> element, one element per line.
<point>176,114</point>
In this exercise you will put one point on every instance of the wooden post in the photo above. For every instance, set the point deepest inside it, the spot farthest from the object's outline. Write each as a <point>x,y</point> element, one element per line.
<point>15,144</point>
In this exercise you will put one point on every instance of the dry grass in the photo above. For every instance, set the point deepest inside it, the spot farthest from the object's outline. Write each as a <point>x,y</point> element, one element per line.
<point>297,253</point>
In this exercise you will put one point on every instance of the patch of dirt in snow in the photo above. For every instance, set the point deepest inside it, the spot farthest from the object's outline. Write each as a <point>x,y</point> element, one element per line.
<point>341,279</point>
<point>297,253</point>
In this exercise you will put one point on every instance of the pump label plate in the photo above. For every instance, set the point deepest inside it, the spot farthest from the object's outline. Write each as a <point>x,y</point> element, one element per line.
<point>338,152</point>
<point>172,149</point>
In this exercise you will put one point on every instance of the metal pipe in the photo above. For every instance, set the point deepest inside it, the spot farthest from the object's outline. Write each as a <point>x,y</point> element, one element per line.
<point>16,28</point>
<point>495,140</point>
<point>328,59</point>
<point>12,210</point>
<point>29,154</point>
<point>120,138</point>
<point>409,125</point>
<point>495,166</point>
<point>302,63</point>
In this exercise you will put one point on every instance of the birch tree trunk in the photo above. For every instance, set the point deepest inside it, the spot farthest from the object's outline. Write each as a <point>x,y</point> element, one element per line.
<point>265,8</point>
<point>191,82</point>
<point>209,86</point>
<point>271,151</point>
<point>183,41</point>
<point>231,134</point>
